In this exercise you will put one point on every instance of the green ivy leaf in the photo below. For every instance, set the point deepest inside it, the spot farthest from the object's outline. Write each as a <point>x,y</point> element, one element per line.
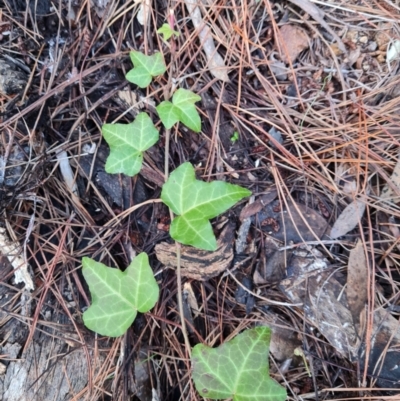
<point>237,369</point>
<point>127,143</point>
<point>167,31</point>
<point>195,202</point>
<point>117,296</point>
<point>181,109</point>
<point>145,68</point>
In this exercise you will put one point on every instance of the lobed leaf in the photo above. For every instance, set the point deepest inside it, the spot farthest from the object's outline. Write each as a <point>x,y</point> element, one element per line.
<point>127,143</point>
<point>181,109</point>
<point>145,68</point>
<point>196,202</point>
<point>167,31</point>
<point>237,369</point>
<point>117,296</point>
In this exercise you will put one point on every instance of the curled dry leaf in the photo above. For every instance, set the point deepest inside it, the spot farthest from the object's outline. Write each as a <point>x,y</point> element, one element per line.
<point>291,222</point>
<point>144,12</point>
<point>295,40</point>
<point>349,218</point>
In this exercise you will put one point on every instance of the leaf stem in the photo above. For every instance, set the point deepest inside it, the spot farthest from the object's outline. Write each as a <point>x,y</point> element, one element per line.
<point>180,300</point>
<point>166,164</point>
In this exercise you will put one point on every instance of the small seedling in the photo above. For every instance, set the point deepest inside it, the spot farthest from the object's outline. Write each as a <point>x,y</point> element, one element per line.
<point>117,296</point>
<point>237,369</point>
<point>235,137</point>
<point>196,202</point>
<point>181,109</point>
<point>167,32</point>
<point>299,352</point>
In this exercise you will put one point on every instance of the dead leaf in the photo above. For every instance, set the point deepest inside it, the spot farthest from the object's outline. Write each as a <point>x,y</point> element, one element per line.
<point>283,343</point>
<point>196,263</point>
<point>388,191</point>
<point>297,223</point>
<point>349,218</point>
<point>318,287</point>
<point>357,282</point>
<point>191,298</point>
<point>295,40</point>
<point>252,208</point>
<point>318,15</point>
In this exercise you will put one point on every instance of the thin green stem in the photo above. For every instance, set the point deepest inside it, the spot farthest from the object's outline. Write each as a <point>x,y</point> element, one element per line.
<point>166,164</point>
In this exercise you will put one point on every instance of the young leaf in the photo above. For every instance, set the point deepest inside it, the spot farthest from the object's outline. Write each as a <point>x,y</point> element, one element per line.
<point>195,202</point>
<point>145,68</point>
<point>181,109</point>
<point>237,369</point>
<point>117,296</point>
<point>127,143</point>
<point>167,31</point>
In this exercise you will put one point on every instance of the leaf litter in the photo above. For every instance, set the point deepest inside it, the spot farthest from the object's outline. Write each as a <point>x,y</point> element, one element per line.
<point>336,109</point>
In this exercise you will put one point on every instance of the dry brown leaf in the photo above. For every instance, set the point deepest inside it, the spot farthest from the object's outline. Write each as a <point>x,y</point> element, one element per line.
<point>144,13</point>
<point>318,15</point>
<point>297,222</point>
<point>311,282</point>
<point>357,282</point>
<point>388,193</point>
<point>252,208</point>
<point>295,40</point>
<point>349,218</point>
<point>191,298</point>
<point>283,343</point>
<point>320,290</point>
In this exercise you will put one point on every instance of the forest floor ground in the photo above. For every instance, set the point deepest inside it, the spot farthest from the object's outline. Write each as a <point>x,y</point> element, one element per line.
<point>301,107</point>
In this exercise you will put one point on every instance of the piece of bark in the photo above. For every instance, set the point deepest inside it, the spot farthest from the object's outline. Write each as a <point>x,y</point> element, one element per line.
<point>199,264</point>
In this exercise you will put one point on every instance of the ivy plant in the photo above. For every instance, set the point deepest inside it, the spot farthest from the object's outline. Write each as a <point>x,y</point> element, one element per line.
<point>127,143</point>
<point>117,296</point>
<point>237,369</point>
<point>167,31</point>
<point>181,109</point>
<point>145,68</point>
<point>196,202</point>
